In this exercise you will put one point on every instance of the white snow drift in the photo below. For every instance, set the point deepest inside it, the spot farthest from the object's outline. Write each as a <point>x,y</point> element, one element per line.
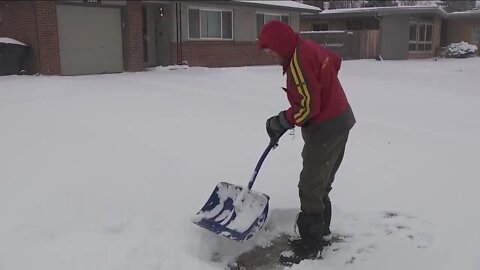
<point>104,172</point>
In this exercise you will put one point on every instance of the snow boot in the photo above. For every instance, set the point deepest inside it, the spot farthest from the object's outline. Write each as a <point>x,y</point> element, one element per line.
<point>327,214</point>
<point>313,230</point>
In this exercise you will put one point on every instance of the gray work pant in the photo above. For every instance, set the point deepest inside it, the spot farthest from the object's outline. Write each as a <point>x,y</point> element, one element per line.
<point>321,160</point>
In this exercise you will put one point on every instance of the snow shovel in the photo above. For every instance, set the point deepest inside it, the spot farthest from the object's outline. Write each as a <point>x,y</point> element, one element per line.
<point>234,211</point>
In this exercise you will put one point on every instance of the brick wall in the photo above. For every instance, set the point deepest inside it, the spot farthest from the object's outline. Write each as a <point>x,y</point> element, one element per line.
<point>18,22</point>
<point>134,36</point>
<point>221,54</point>
<point>22,19</point>
<point>49,54</point>
<point>35,23</point>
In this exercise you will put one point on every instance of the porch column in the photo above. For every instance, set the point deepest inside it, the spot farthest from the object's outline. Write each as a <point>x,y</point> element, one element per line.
<point>48,48</point>
<point>134,36</point>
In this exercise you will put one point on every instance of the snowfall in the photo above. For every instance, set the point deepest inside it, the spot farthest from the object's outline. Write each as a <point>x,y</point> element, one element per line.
<point>105,172</point>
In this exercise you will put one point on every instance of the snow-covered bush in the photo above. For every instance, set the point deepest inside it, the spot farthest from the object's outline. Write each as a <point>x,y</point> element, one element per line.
<point>460,50</point>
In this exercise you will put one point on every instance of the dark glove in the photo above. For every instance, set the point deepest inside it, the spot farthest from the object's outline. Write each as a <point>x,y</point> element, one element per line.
<point>277,126</point>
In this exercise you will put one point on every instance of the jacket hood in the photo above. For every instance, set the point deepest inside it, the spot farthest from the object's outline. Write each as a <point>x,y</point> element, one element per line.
<point>280,38</point>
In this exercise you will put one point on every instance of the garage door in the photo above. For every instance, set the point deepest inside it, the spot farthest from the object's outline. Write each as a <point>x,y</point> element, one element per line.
<point>90,39</point>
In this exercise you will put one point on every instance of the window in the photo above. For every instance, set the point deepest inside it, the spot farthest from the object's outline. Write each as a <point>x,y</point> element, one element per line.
<point>320,27</point>
<point>264,18</point>
<point>210,24</point>
<point>421,35</point>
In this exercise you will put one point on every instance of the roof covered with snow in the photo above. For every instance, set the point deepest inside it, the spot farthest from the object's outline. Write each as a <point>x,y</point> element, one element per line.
<point>11,41</point>
<point>465,14</point>
<point>282,4</point>
<point>382,11</point>
<point>368,11</point>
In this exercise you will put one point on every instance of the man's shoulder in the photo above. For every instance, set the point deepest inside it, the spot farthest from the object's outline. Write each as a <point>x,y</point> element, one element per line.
<point>308,47</point>
<point>310,51</point>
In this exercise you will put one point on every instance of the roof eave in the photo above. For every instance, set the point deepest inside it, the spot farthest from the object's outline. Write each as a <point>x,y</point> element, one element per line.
<point>429,11</point>
<point>340,15</point>
<point>465,15</point>
<point>266,6</point>
<point>380,12</point>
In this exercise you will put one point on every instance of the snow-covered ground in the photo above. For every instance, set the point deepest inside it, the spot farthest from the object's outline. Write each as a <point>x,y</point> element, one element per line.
<point>104,172</point>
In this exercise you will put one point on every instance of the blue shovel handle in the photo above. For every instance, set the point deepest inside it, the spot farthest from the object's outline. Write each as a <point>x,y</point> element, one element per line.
<point>259,164</point>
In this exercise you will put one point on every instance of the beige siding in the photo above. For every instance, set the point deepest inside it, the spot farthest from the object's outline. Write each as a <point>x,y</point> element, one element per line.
<point>338,25</point>
<point>476,33</point>
<point>306,25</point>
<point>436,39</point>
<point>420,55</point>
<point>295,21</point>
<point>242,33</point>
<point>460,30</point>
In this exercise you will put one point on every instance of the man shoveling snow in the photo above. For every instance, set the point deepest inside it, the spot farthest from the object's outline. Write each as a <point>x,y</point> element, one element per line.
<point>320,107</point>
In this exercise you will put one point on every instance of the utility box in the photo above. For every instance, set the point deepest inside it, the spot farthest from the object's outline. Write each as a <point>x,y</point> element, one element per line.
<point>12,56</point>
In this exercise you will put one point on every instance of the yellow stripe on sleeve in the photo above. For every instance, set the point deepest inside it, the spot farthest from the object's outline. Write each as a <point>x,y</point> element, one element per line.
<point>299,89</point>
<point>302,89</point>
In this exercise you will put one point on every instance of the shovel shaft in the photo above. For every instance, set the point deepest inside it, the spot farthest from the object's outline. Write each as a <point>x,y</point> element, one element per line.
<point>259,165</point>
<point>241,196</point>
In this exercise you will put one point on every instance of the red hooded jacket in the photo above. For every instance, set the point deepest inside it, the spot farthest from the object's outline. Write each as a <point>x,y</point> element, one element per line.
<point>313,88</point>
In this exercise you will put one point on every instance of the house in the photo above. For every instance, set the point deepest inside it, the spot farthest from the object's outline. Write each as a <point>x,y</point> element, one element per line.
<point>403,32</point>
<point>73,37</point>
<point>463,26</point>
<point>215,33</point>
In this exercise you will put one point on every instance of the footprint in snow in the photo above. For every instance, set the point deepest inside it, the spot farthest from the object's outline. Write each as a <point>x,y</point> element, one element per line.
<point>406,227</point>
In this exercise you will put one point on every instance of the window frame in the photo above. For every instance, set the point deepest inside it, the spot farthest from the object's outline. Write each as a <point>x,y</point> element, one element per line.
<point>269,14</point>
<point>417,42</point>
<point>200,9</point>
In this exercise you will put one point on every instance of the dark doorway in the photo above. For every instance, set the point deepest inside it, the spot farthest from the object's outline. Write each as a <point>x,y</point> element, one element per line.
<point>157,34</point>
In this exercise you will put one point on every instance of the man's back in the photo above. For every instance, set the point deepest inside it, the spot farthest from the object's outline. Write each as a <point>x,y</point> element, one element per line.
<point>319,67</point>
